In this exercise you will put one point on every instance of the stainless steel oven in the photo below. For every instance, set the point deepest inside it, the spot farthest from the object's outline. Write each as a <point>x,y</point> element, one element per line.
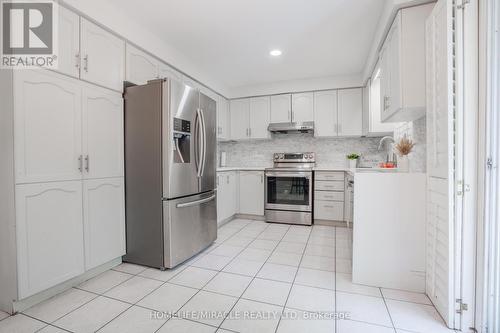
<point>289,189</point>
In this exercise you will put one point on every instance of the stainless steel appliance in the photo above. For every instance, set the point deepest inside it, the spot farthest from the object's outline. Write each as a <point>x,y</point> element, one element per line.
<point>288,188</point>
<point>170,161</point>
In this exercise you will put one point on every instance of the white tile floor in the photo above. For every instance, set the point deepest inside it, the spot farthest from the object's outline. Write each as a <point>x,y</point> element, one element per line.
<point>257,277</point>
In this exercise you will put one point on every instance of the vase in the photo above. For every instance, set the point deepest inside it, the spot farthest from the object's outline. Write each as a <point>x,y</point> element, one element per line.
<point>353,164</point>
<point>404,164</point>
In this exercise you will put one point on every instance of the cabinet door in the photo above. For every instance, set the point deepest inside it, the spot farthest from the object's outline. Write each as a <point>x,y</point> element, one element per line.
<point>222,119</point>
<point>103,220</point>
<point>281,108</point>
<point>103,56</point>
<point>303,107</point>
<point>394,50</point>
<point>140,67</point>
<point>232,192</point>
<point>350,112</point>
<point>221,198</point>
<point>325,113</point>
<point>49,232</point>
<point>166,71</point>
<point>384,78</point>
<point>68,58</point>
<point>102,133</point>
<point>48,122</point>
<point>329,210</point>
<point>260,108</point>
<point>251,192</point>
<point>239,110</point>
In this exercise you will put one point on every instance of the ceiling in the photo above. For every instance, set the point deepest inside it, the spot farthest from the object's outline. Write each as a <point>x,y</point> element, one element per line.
<point>231,39</point>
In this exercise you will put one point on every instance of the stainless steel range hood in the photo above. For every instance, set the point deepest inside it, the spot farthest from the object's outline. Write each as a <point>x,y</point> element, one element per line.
<point>303,127</point>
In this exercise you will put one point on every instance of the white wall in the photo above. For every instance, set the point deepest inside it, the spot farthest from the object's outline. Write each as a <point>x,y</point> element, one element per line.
<point>110,17</point>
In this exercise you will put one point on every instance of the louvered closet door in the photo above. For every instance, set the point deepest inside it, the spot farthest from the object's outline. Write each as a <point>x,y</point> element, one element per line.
<point>440,232</point>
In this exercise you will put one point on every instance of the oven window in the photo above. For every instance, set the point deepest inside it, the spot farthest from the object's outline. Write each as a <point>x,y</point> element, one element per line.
<point>288,190</point>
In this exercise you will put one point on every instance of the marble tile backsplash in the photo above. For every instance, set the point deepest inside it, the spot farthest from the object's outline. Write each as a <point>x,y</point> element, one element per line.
<point>330,152</point>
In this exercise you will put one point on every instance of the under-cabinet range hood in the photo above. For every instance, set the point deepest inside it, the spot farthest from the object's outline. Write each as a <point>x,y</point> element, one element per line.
<point>295,127</point>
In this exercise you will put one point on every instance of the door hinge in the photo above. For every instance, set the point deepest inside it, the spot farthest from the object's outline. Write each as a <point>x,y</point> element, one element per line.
<point>460,190</point>
<point>461,306</point>
<point>462,5</point>
<point>489,163</point>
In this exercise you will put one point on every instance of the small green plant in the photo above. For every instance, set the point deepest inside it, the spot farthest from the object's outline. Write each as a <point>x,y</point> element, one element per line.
<point>353,156</point>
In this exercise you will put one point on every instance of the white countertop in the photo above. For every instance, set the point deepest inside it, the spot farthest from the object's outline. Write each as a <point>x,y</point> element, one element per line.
<point>318,168</point>
<point>223,169</point>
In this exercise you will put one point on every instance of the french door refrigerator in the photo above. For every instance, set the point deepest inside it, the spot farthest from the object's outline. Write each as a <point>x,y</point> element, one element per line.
<point>170,170</point>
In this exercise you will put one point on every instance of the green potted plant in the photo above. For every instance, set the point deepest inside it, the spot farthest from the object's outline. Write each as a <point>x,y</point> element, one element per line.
<point>353,160</point>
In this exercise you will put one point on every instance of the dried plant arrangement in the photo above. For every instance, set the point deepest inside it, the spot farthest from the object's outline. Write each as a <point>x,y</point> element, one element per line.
<point>404,146</point>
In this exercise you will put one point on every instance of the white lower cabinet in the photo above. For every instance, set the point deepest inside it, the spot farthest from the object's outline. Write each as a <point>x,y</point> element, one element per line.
<point>329,210</point>
<point>103,220</point>
<point>251,196</point>
<point>49,233</point>
<point>329,196</point>
<point>227,195</point>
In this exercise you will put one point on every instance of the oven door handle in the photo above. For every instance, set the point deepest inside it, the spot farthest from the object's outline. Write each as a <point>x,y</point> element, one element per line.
<point>306,175</point>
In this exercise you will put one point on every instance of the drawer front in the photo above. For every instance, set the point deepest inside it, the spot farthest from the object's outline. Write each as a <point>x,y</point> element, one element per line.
<point>329,210</point>
<point>322,175</point>
<point>329,185</point>
<point>329,196</point>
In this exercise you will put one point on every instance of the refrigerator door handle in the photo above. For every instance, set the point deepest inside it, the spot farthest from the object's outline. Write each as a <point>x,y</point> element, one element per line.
<point>199,143</point>
<point>196,202</point>
<point>204,142</point>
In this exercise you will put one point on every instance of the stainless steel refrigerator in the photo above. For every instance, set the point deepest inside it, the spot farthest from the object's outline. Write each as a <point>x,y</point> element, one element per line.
<point>170,170</point>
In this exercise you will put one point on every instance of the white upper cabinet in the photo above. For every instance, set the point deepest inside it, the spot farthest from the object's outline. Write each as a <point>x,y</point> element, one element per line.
<point>402,62</point>
<point>102,133</point>
<point>140,66</point>
<point>223,121</point>
<point>303,107</point>
<point>166,71</point>
<point>239,109</point>
<point>68,60</point>
<point>251,193</point>
<point>48,122</point>
<point>103,56</point>
<point>104,220</point>
<point>350,112</point>
<point>325,113</point>
<point>49,233</point>
<point>260,113</point>
<point>281,108</point>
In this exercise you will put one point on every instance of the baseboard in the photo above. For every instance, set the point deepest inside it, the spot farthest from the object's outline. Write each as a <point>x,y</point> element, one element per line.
<point>332,223</point>
<point>250,217</point>
<point>21,305</point>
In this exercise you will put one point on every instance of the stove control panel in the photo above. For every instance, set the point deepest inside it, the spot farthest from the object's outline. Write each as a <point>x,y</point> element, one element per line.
<point>295,157</point>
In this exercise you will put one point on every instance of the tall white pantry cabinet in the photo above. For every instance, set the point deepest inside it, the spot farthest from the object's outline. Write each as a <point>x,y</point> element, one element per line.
<point>61,180</point>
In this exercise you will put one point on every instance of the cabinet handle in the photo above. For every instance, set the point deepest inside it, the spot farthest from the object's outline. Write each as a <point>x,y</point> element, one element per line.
<point>86,63</point>
<point>261,179</point>
<point>87,163</point>
<point>290,115</point>
<point>227,179</point>
<point>249,132</point>
<point>77,60</point>
<point>80,163</point>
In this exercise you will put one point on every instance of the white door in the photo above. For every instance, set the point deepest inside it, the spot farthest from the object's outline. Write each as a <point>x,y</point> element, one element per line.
<point>49,233</point>
<point>303,107</point>
<point>350,112</point>
<point>166,71</point>
<point>251,192</point>
<point>103,56</point>
<point>281,108</point>
<point>325,113</point>
<point>103,220</point>
<point>260,113</point>
<point>232,192</point>
<point>48,122</point>
<point>102,133</point>
<point>140,66</point>
<point>239,110</point>
<point>68,57</point>
<point>222,119</point>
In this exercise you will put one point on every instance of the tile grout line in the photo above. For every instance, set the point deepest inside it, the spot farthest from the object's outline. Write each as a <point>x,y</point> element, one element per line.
<point>255,276</point>
<point>293,282</point>
<point>388,312</point>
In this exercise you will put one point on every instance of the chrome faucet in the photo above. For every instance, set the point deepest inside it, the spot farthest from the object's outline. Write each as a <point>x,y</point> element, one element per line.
<point>381,143</point>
